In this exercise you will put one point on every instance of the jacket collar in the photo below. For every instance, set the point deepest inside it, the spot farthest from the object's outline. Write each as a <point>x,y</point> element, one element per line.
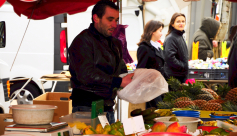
<point>148,44</point>
<point>178,32</point>
<point>155,44</point>
<point>96,33</point>
<point>158,53</point>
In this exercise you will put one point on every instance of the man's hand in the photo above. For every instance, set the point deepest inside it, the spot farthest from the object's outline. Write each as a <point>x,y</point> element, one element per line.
<point>126,80</point>
<point>215,43</point>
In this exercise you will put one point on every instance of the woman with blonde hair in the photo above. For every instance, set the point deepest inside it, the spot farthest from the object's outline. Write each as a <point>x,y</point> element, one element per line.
<point>176,51</point>
<point>149,53</point>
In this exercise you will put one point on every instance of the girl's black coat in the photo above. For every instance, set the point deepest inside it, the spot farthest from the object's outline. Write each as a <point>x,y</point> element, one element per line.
<point>176,54</point>
<point>149,57</point>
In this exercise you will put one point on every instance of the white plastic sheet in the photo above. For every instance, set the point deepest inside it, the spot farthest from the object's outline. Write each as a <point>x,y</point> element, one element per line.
<point>146,85</point>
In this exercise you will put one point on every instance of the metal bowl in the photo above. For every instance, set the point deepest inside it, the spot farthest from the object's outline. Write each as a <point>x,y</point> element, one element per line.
<point>32,114</point>
<point>190,122</point>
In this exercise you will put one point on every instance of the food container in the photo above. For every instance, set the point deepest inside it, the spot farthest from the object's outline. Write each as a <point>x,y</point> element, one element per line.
<point>185,113</point>
<point>207,128</point>
<point>82,117</point>
<point>233,117</point>
<point>77,116</point>
<point>32,114</point>
<point>223,117</point>
<point>226,126</point>
<point>165,134</point>
<point>190,122</point>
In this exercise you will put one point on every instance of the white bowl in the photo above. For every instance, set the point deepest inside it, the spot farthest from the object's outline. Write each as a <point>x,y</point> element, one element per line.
<point>32,114</point>
<point>190,122</point>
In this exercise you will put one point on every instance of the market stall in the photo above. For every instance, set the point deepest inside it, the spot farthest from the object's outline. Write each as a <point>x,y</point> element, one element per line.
<point>187,110</point>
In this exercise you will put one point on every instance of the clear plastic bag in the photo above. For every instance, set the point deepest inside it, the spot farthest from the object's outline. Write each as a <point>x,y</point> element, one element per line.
<point>146,85</point>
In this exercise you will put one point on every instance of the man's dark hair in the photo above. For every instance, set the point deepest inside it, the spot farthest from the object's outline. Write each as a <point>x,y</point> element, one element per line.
<point>99,8</point>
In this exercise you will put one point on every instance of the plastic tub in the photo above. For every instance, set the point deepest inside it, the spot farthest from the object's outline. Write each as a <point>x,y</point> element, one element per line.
<point>223,117</point>
<point>187,113</point>
<point>165,134</point>
<point>226,126</point>
<point>195,116</point>
<point>77,116</point>
<point>233,117</point>
<point>190,122</point>
<point>32,114</point>
<point>82,117</point>
<point>207,128</point>
<point>181,114</point>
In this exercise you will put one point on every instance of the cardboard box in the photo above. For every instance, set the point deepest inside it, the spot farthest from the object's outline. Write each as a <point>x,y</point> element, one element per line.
<point>59,99</point>
<point>3,122</point>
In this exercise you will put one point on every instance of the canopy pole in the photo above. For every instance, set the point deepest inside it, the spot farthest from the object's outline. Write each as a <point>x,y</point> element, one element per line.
<point>143,13</point>
<point>119,102</point>
<point>119,3</point>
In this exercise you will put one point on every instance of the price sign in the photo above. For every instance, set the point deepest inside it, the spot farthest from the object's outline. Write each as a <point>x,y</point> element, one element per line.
<point>133,125</point>
<point>103,120</point>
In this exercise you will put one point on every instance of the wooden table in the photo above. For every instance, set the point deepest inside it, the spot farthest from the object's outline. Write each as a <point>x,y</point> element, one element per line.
<point>55,78</point>
<point>209,83</point>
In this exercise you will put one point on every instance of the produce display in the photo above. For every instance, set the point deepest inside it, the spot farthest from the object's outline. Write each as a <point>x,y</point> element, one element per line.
<point>77,127</point>
<point>216,131</point>
<point>81,128</point>
<point>182,100</point>
<point>174,119</point>
<point>189,97</point>
<point>218,114</point>
<point>164,113</point>
<point>174,127</point>
<point>219,63</point>
<point>230,121</point>
<point>195,96</point>
<point>150,113</point>
<point>208,123</point>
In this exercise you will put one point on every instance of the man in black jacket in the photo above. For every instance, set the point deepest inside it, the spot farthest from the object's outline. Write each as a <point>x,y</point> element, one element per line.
<point>96,61</point>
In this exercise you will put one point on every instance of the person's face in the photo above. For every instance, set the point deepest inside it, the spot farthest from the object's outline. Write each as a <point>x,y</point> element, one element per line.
<point>179,23</point>
<point>107,24</point>
<point>157,34</point>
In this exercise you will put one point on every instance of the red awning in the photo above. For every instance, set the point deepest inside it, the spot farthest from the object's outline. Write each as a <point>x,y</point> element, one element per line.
<point>2,2</point>
<point>47,8</point>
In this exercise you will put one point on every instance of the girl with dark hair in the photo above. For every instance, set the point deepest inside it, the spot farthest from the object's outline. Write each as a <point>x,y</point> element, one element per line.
<point>175,49</point>
<point>149,53</point>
